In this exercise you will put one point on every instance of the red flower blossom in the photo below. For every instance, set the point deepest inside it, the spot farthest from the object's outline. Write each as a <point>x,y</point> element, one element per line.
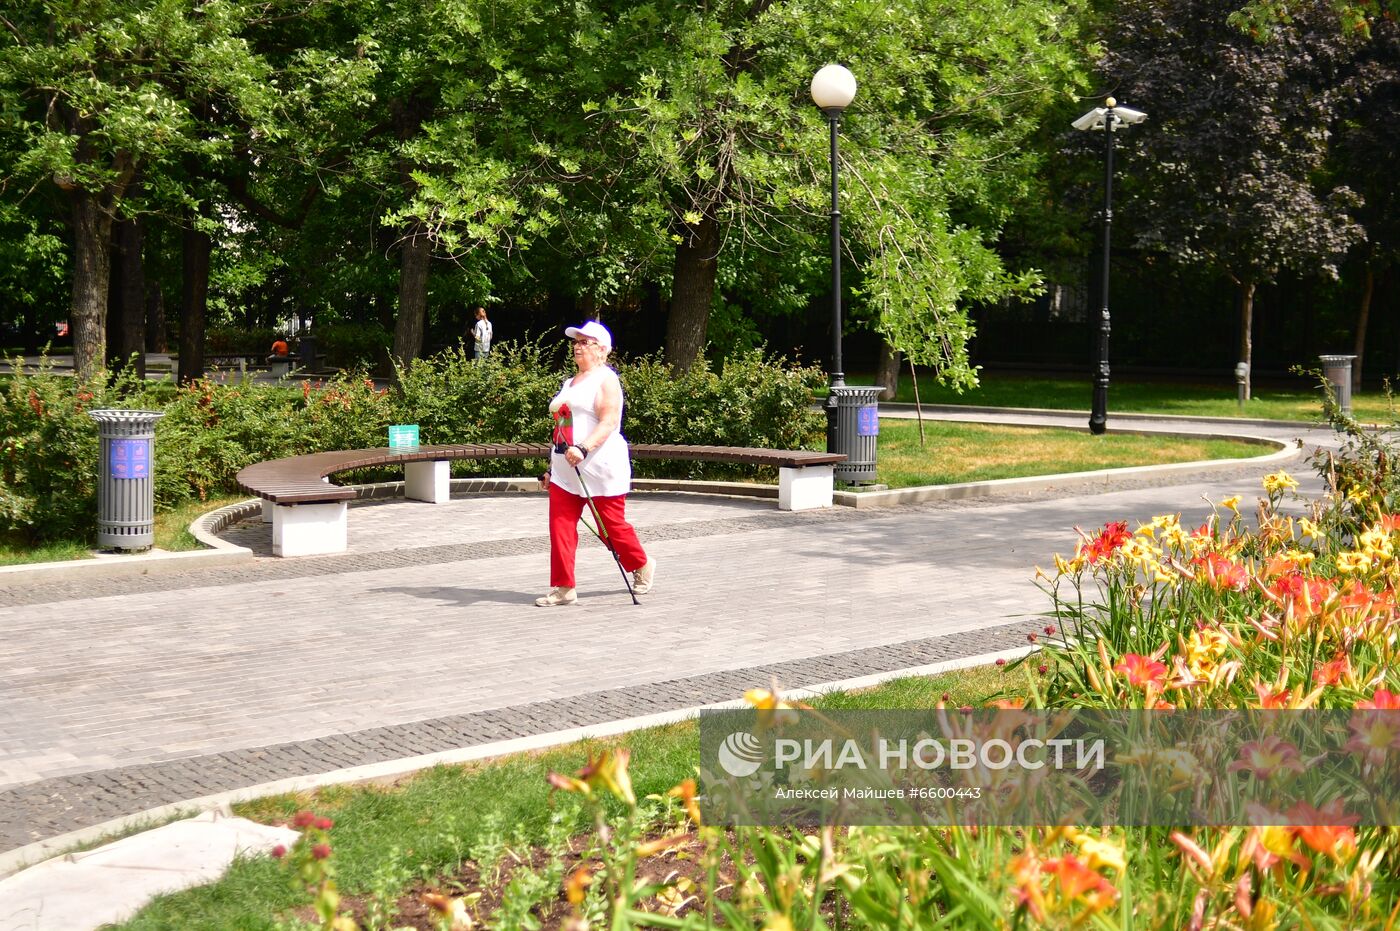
<point>1382,700</point>
<point>1077,880</point>
<point>324,824</point>
<point>303,819</point>
<point>1332,672</point>
<point>1220,573</point>
<point>321,851</point>
<point>1326,829</point>
<point>1108,542</point>
<point>1141,670</point>
<point>279,851</point>
<point>1272,699</point>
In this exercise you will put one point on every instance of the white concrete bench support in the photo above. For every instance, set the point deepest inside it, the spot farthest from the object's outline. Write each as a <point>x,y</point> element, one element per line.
<point>427,481</point>
<point>805,488</point>
<point>309,529</point>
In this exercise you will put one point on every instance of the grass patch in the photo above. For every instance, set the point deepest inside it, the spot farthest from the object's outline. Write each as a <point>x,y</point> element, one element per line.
<point>432,822</point>
<point>172,533</point>
<point>958,452</point>
<point>1303,403</point>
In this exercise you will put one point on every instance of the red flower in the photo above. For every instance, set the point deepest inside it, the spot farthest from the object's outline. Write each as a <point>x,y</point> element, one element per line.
<point>1077,880</point>
<point>303,819</point>
<point>1328,827</point>
<point>324,823</point>
<point>1220,573</point>
<point>1330,673</point>
<point>1382,700</point>
<point>1141,670</point>
<point>1269,699</point>
<point>321,851</point>
<point>1108,542</point>
<point>279,851</point>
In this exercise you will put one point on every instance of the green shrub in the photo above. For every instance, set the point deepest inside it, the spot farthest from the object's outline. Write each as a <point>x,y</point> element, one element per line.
<point>352,345</point>
<point>503,398</point>
<point>48,452</point>
<point>238,339</point>
<point>752,401</point>
<point>48,457</point>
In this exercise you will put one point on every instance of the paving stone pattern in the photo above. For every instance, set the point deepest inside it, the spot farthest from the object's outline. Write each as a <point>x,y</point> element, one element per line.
<point>51,807</point>
<point>121,695</point>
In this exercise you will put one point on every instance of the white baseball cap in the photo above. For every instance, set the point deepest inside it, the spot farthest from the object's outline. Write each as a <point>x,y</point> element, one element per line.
<point>592,330</point>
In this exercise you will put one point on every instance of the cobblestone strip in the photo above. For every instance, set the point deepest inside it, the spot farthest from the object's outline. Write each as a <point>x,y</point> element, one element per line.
<point>50,807</point>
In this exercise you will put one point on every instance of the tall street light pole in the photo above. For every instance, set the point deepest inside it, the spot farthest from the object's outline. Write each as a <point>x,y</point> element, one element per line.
<point>833,89</point>
<point>1106,118</point>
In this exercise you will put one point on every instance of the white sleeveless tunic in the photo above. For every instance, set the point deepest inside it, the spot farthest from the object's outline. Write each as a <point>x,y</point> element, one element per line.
<point>607,469</point>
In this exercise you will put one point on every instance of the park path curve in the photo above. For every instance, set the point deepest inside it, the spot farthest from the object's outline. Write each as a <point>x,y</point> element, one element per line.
<point>123,695</point>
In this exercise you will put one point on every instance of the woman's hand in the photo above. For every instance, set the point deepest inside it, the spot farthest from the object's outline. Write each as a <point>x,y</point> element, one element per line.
<point>544,479</point>
<point>573,455</point>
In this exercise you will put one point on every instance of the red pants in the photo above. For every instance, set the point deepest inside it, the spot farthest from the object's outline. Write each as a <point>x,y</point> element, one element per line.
<point>564,512</point>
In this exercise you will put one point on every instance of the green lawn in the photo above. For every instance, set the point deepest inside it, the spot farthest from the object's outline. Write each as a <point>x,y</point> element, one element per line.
<point>1001,390</point>
<point>172,534</point>
<point>386,838</point>
<point>963,452</point>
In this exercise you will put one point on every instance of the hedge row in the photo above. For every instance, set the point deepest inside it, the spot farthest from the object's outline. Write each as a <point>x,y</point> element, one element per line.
<point>48,454</point>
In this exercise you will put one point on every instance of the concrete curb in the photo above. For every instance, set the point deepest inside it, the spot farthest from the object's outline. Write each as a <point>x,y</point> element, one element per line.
<point>1066,480</point>
<point>21,858</point>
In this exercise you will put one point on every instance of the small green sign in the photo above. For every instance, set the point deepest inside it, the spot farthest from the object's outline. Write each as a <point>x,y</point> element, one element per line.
<point>403,436</point>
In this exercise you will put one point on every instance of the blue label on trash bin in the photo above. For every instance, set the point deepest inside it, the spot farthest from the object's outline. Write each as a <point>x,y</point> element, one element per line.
<point>130,458</point>
<point>868,420</point>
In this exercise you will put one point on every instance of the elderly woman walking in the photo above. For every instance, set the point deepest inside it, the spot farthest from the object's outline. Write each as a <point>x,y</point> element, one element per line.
<point>588,427</point>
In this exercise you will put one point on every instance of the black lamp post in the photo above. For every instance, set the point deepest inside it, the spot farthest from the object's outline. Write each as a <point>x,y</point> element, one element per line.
<point>833,89</point>
<point>1106,118</point>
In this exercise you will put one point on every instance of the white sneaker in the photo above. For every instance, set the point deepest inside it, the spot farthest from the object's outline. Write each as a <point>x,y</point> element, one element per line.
<point>558,595</point>
<point>643,577</point>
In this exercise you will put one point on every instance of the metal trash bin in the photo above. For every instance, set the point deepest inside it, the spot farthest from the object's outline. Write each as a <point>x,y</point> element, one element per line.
<point>857,430</point>
<point>126,479</point>
<point>1337,370</point>
<point>306,348</point>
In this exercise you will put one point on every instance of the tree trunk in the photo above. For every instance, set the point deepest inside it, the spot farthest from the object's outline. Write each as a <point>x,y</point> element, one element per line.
<point>126,301</point>
<point>1363,320</point>
<point>887,371</point>
<point>92,257</point>
<point>194,301</point>
<point>156,337</point>
<point>413,295</point>
<point>697,261</point>
<point>1247,332</point>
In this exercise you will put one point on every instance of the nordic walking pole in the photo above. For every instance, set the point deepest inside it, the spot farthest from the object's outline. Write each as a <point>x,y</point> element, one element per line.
<point>602,534</point>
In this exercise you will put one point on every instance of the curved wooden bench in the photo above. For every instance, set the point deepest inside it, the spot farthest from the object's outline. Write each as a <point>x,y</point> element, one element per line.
<point>308,512</point>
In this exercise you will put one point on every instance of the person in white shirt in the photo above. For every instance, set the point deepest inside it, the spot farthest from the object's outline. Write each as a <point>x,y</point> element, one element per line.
<point>588,435</point>
<point>481,334</point>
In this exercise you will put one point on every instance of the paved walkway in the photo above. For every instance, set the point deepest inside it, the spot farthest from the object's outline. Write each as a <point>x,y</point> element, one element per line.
<point>128,694</point>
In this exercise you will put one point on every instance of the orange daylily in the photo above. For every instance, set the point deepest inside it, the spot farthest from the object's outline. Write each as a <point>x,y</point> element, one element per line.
<point>1077,881</point>
<point>1141,670</point>
<point>1382,700</point>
